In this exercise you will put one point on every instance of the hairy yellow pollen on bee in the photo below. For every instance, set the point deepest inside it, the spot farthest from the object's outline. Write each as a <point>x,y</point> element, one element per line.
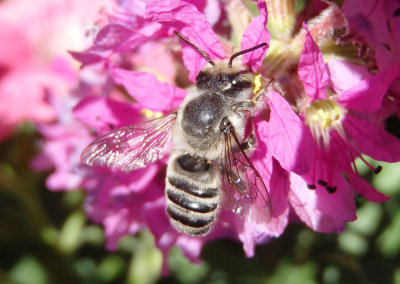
<point>151,114</point>
<point>322,116</point>
<point>257,84</point>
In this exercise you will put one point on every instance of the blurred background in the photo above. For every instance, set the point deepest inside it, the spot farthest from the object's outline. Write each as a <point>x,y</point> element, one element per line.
<point>46,238</point>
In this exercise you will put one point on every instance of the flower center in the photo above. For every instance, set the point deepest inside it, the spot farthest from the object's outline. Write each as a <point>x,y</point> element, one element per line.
<point>322,116</point>
<point>324,113</point>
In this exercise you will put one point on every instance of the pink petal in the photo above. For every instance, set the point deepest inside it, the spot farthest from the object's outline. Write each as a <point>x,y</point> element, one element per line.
<point>103,113</point>
<point>166,237</point>
<point>191,247</point>
<point>287,138</point>
<point>185,18</point>
<point>373,140</point>
<point>117,225</point>
<point>345,75</point>
<point>121,212</point>
<point>61,151</point>
<point>367,95</point>
<point>246,236</point>
<point>148,91</point>
<point>252,233</point>
<point>199,4</point>
<point>159,63</point>
<point>14,55</point>
<point>279,189</point>
<point>213,11</point>
<point>86,57</point>
<point>363,188</point>
<point>320,210</point>
<point>113,37</point>
<point>276,179</point>
<point>24,96</point>
<point>64,179</point>
<point>256,33</point>
<point>312,70</point>
<point>370,19</point>
<point>261,154</point>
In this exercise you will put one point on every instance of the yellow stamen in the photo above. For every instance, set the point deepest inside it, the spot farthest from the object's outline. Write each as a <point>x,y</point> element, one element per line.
<point>324,113</point>
<point>257,83</point>
<point>151,114</point>
<point>322,116</point>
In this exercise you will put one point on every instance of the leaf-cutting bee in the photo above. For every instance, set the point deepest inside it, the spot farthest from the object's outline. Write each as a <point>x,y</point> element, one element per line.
<point>209,166</point>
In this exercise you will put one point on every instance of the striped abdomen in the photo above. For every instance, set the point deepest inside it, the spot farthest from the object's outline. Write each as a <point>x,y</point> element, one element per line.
<point>192,194</point>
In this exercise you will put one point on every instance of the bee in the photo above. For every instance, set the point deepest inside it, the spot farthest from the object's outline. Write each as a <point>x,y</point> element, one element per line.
<point>209,166</point>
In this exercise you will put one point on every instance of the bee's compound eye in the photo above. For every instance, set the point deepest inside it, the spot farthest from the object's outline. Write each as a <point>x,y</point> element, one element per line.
<point>203,79</point>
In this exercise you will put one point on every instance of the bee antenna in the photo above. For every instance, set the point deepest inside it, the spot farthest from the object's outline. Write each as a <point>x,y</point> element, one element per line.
<point>245,51</point>
<point>195,47</point>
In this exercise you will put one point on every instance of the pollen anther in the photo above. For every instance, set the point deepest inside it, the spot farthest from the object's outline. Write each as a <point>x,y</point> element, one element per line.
<point>324,113</point>
<point>257,84</point>
<point>322,116</point>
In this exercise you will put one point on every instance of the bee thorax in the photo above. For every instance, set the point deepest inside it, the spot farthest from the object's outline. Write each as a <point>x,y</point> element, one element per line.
<point>202,114</point>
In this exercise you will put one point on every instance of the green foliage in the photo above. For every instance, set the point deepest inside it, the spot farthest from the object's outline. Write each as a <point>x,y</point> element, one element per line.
<point>46,238</point>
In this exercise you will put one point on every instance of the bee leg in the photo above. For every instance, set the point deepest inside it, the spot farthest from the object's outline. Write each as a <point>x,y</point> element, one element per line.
<point>225,126</point>
<point>243,106</point>
<point>250,142</point>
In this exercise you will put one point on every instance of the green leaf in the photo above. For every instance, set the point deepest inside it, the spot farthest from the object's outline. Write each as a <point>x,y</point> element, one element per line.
<point>28,271</point>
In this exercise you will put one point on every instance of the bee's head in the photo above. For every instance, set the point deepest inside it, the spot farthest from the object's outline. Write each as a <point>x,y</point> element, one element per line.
<point>223,77</point>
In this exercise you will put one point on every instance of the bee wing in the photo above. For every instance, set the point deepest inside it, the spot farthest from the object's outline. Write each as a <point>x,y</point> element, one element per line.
<point>245,191</point>
<point>132,147</point>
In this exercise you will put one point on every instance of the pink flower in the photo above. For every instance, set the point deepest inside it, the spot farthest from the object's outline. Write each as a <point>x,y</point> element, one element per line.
<point>146,89</point>
<point>65,140</point>
<point>33,58</point>
<point>316,116</point>
<point>180,16</point>
<point>375,27</point>
<point>254,34</point>
<point>322,198</point>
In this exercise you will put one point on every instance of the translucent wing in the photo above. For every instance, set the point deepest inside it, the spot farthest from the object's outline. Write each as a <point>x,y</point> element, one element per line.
<point>132,147</point>
<point>245,191</point>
